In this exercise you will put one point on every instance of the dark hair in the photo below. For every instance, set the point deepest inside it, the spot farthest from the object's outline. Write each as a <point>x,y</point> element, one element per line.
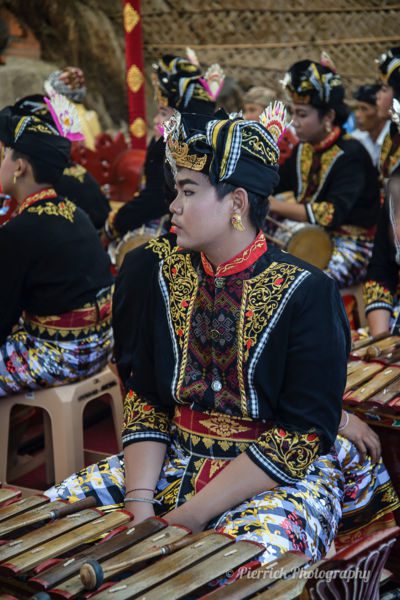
<point>42,173</point>
<point>341,113</point>
<point>258,204</point>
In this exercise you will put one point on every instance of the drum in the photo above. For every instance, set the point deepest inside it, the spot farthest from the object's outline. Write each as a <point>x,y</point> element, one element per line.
<point>309,242</point>
<point>134,239</point>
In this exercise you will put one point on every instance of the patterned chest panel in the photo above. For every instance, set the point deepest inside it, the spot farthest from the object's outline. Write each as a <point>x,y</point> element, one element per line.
<point>219,328</point>
<point>313,170</point>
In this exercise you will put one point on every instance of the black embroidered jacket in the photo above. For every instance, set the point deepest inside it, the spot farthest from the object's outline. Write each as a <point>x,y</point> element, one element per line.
<point>78,185</point>
<point>265,338</point>
<point>131,290</point>
<point>52,260</point>
<point>389,159</point>
<point>383,273</point>
<point>336,182</point>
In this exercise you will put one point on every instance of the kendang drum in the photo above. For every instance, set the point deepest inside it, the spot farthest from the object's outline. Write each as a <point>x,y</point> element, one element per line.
<point>134,239</point>
<point>309,242</point>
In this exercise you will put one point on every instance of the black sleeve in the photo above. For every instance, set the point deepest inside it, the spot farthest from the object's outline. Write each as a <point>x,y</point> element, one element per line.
<point>383,271</point>
<point>151,202</point>
<point>310,401</point>
<point>287,175</point>
<point>346,185</point>
<point>131,287</point>
<point>12,275</point>
<point>84,191</point>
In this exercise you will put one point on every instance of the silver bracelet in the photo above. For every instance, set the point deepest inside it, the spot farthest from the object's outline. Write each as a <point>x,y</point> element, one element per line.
<point>149,500</point>
<point>341,427</point>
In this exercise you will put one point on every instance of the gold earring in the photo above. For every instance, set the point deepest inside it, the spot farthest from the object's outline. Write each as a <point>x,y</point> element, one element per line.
<point>236,221</point>
<point>328,127</point>
<point>15,178</point>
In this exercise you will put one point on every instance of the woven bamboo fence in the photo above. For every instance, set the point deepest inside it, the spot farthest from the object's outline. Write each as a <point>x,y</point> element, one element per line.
<point>256,40</point>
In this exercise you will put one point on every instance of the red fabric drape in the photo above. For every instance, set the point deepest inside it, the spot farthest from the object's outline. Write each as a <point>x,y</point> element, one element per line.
<point>135,73</point>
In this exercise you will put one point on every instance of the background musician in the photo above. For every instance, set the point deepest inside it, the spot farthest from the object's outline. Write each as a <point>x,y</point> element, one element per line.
<point>389,66</point>
<point>371,126</point>
<point>240,365</point>
<point>330,174</point>
<point>55,301</point>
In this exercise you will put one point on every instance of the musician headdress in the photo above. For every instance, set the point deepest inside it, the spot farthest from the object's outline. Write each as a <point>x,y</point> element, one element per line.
<point>44,138</point>
<point>389,66</point>
<point>179,83</point>
<point>314,83</point>
<point>229,148</point>
<point>70,82</point>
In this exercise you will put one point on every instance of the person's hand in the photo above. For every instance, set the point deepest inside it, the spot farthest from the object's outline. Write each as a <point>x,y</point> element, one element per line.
<point>184,516</point>
<point>140,511</point>
<point>274,204</point>
<point>363,437</point>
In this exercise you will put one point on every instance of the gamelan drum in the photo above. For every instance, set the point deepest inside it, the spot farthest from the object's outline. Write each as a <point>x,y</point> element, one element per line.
<point>309,242</point>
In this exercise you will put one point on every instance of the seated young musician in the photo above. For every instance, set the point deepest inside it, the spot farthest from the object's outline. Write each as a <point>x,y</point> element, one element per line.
<point>177,82</point>
<point>76,183</point>
<point>235,397</point>
<point>55,303</point>
<point>389,67</point>
<point>331,175</point>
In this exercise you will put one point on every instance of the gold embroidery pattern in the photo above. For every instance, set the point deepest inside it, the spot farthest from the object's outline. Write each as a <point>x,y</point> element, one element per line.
<point>394,160</point>
<point>182,157</point>
<point>323,213</point>
<point>262,296</point>
<point>223,425</point>
<point>290,451</point>
<point>244,258</point>
<point>140,416</point>
<point>65,209</point>
<point>131,18</point>
<point>43,195</point>
<point>138,128</point>
<point>328,159</point>
<point>376,292</point>
<point>134,79</point>
<point>179,272</point>
<point>161,247</point>
<point>76,171</point>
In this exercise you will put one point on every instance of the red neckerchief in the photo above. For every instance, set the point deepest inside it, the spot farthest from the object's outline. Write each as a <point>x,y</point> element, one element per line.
<point>45,194</point>
<point>241,261</point>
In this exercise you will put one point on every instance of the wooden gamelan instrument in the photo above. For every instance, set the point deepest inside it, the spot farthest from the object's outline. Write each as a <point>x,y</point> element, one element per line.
<point>60,550</point>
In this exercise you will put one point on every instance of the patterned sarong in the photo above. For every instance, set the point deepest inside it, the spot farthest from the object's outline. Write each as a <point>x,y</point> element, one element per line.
<point>304,516</point>
<point>55,350</point>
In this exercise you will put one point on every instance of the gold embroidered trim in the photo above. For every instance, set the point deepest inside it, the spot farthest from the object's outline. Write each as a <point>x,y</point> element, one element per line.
<point>290,451</point>
<point>180,154</point>
<point>261,297</point>
<point>323,213</point>
<point>161,247</point>
<point>328,159</point>
<point>33,198</point>
<point>65,209</point>
<point>76,171</point>
<point>179,272</point>
<point>140,416</point>
<point>376,292</point>
<point>394,160</point>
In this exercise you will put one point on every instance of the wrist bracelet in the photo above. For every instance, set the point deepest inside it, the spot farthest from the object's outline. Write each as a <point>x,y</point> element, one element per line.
<point>341,427</point>
<point>140,490</point>
<point>149,500</point>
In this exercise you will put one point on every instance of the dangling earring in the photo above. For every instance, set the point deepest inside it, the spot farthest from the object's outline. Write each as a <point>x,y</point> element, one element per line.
<point>15,178</point>
<point>328,127</point>
<point>236,221</point>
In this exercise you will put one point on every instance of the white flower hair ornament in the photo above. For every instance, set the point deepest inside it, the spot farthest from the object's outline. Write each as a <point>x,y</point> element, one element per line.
<point>274,118</point>
<point>65,117</point>
<point>395,113</point>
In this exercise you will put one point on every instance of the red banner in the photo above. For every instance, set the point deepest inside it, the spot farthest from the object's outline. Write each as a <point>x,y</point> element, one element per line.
<point>135,73</point>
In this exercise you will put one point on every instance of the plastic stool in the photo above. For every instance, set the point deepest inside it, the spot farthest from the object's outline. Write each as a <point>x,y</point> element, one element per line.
<point>63,409</point>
